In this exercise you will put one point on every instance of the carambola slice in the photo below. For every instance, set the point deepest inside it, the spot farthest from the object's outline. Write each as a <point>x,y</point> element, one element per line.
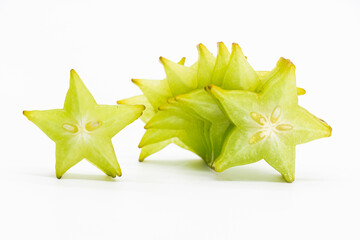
<point>183,88</point>
<point>83,128</point>
<point>202,121</point>
<point>268,124</point>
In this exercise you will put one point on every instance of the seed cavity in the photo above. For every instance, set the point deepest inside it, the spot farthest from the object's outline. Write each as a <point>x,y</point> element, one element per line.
<point>284,127</point>
<point>70,128</point>
<point>271,124</point>
<point>257,137</point>
<point>257,117</point>
<point>93,125</point>
<point>275,114</point>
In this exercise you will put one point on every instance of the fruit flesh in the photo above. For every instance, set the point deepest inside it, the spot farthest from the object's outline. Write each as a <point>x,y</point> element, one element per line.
<point>183,88</point>
<point>268,124</point>
<point>83,129</point>
<point>195,119</point>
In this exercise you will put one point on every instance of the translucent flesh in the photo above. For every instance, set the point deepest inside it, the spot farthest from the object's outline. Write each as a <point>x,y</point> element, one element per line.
<point>140,100</point>
<point>287,123</point>
<point>192,119</point>
<point>239,73</point>
<point>195,119</point>
<point>83,129</point>
<point>206,65</point>
<point>181,79</point>
<point>156,93</point>
<point>209,70</point>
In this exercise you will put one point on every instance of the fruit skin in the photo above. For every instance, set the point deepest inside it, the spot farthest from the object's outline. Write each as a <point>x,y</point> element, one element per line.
<point>268,124</point>
<point>180,111</point>
<point>83,128</point>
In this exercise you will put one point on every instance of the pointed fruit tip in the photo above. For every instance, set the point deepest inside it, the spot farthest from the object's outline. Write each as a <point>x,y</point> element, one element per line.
<point>328,128</point>
<point>289,177</point>
<point>201,47</point>
<point>283,61</point>
<point>141,110</point>
<point>222,49</point>
<point>221,45</point>
<point>137,82</point>
<point>163,60</point>
<point>182,61</point>
<point>73,72</point>
<point>235,45</point>
<point>330,131</point>
<point>74,78</point>
<point>139,106</point>
<point>27,114</point>
<point>301,91</point>
<point>218,168</point>
<point>237,49</point>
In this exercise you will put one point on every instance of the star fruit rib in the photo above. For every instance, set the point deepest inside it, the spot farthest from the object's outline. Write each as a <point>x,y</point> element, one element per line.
<point>180,111</point>
<point>83,128</point>
<point>268,124</point>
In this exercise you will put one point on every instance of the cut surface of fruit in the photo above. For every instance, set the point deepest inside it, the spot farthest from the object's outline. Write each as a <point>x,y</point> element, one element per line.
<point>192,116</point>
<point>268,124</point>
<point>83,128</point>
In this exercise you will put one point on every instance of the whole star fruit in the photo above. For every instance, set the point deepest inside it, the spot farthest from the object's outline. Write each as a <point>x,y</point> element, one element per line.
<point>180,111</point>
<point>83,128</point>
<point>268,124</point>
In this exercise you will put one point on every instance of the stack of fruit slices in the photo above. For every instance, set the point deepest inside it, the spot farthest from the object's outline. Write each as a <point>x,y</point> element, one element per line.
<point>227,113</point>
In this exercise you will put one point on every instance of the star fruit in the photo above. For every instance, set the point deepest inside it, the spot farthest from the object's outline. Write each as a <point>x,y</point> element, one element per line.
<point>179,109</point>
<point>181,96</point>
<point>268,124</point>
<point>83,128</point>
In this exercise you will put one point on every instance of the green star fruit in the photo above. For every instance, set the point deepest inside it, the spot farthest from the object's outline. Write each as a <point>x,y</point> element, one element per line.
<point>268,124</point>
<point>83,128</point>
<point>180,111</point>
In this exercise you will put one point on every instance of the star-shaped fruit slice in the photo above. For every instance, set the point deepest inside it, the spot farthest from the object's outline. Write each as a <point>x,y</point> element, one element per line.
<point>83,128</point>
<point>180,111</point>
<point>268,124</point>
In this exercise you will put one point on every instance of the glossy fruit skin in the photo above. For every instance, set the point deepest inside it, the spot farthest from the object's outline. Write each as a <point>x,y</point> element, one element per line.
<point>183,110</point>
<point>83,128</point>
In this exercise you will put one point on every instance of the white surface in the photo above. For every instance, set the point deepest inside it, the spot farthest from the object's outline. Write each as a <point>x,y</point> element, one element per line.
<point>173,195</point>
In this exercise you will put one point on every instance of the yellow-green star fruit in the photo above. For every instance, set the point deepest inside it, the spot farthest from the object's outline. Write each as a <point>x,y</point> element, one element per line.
<point>180,111</point>
<point>83,128</point>
<point>268,124</point>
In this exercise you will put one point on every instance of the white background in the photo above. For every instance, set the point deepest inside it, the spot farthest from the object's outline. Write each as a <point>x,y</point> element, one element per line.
<point>173,195</point>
